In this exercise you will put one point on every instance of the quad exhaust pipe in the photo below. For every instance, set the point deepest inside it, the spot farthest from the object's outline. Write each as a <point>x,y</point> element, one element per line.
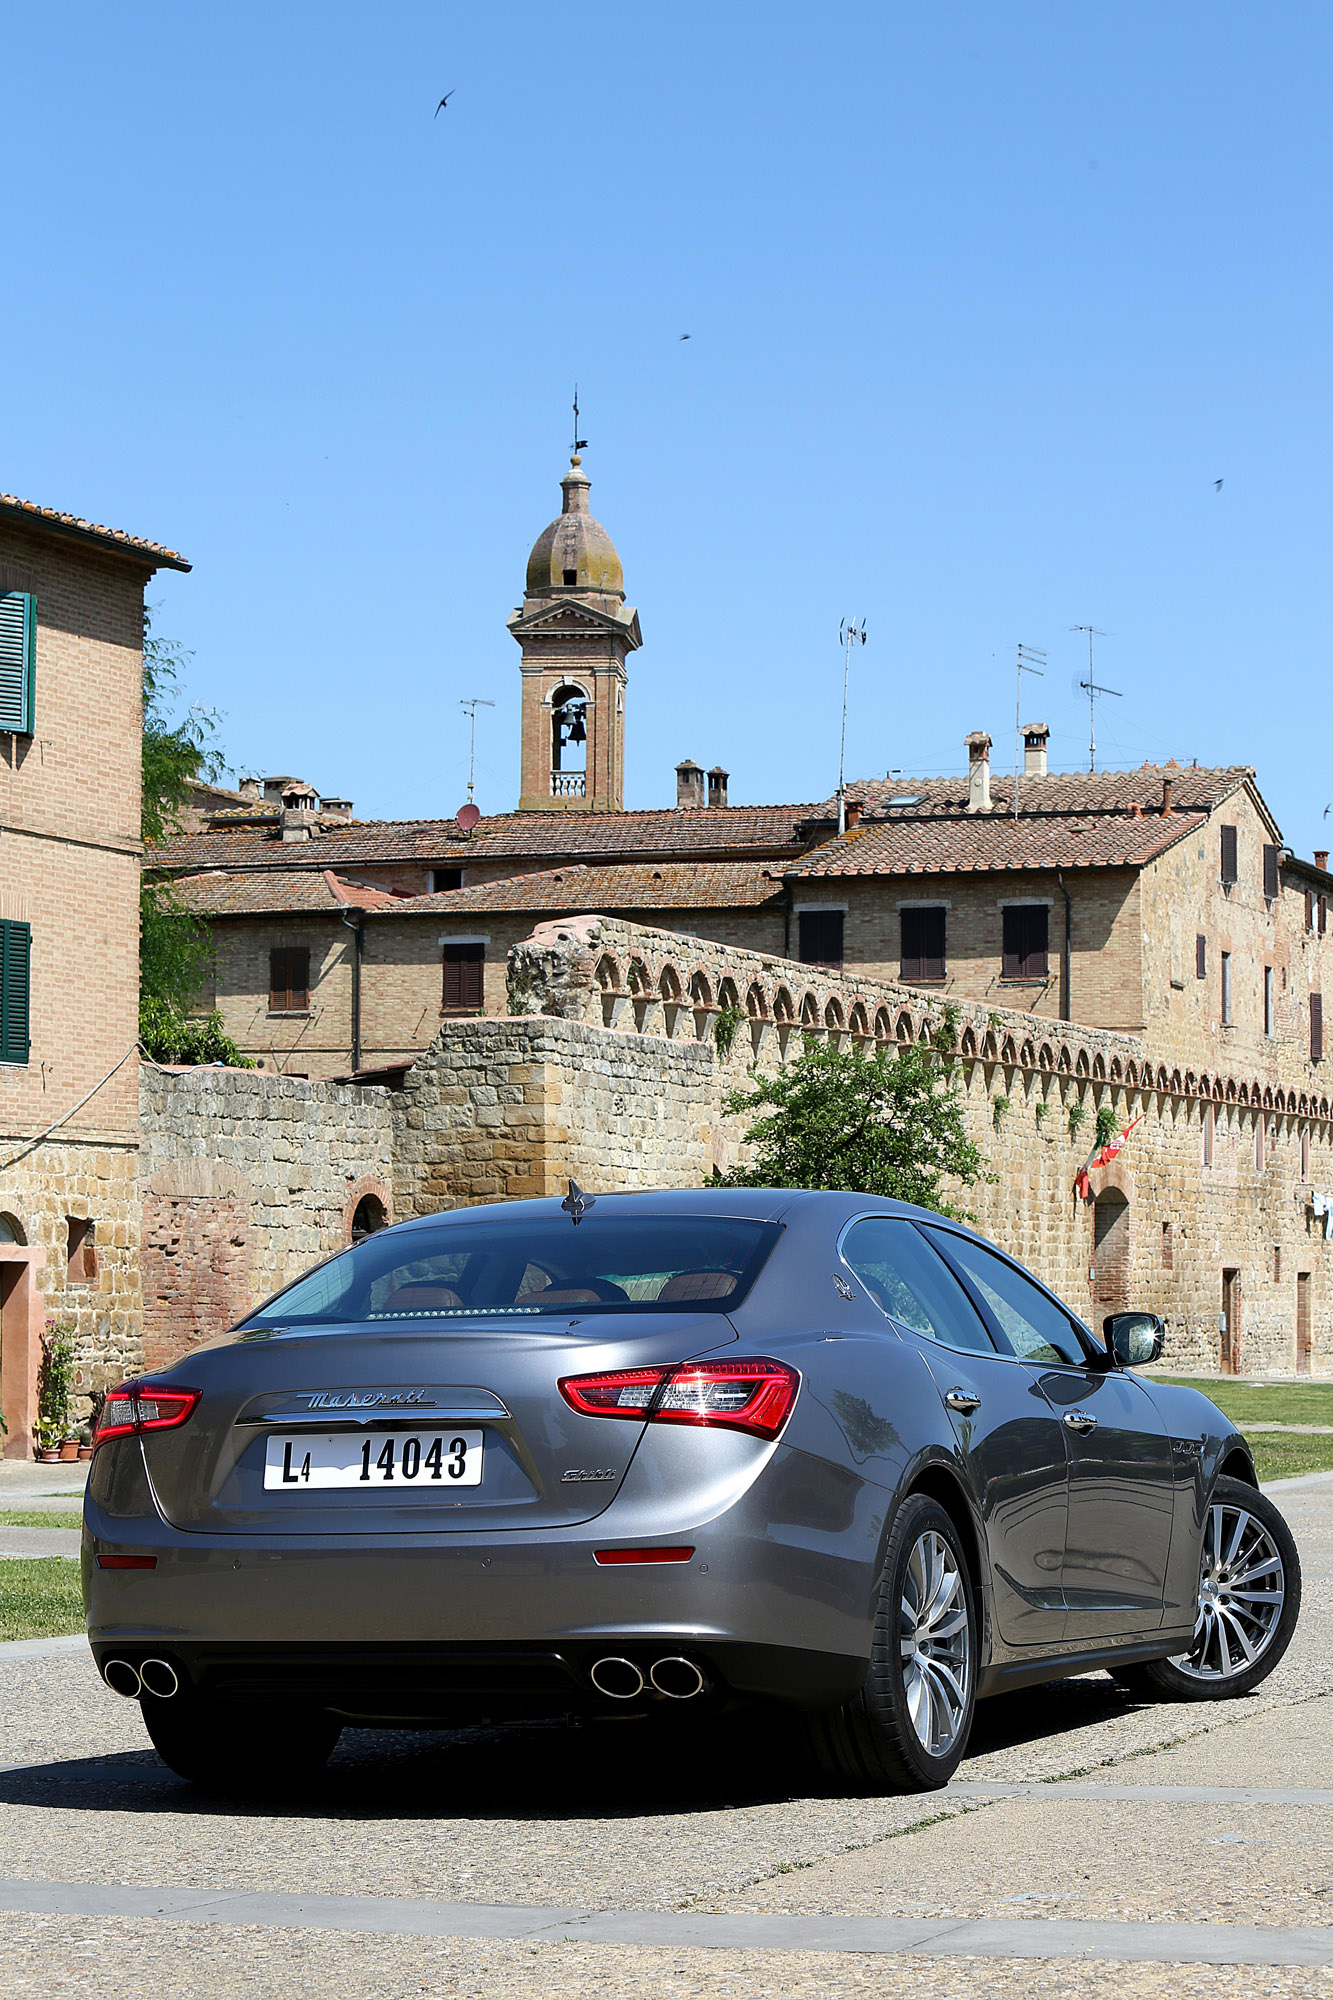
<point>155,1677</point>
<point>675,1677</point>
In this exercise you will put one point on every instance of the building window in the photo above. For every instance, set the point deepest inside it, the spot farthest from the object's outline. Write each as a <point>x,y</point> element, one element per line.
<point>18,661</point>
<point>1277,1263</point>
<point>819,935</point>
<point>1309,909</point>
<point>922,944</point>
<point>1316,1027</point>
<point>369,1217</point>
<point>81,1251</point>
<point>1258,1145</point>
<point>1226,989</point>
<point>1026,927</point>
<point>289,980</point>
<point>442,879</point>
<point>1270,872</point>
<point>1168,1249</point>
<point>1229,870</point>
<point>1268,1000</point>
<point>1209,1133</point>
<point>464,968</point>
<point>571,576</point>
<point>15,984</point>
<point>1323,915</point>
<point>1305,1153</point>
<point>1201,956</point>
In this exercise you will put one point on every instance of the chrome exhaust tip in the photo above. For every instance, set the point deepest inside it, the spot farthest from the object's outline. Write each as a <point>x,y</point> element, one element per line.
<point>122,1678</point>
<point>617,1678</point>
<point>679,1679</point>
<point>159,1678</point>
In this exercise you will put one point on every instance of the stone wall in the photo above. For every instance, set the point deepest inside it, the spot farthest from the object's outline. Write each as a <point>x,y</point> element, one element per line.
<point>247,1179</point>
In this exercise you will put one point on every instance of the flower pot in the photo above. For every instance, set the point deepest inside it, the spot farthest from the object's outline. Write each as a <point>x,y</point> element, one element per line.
<point>48,1458</point>
<point>69,1450</point>
<point>85,1451</point>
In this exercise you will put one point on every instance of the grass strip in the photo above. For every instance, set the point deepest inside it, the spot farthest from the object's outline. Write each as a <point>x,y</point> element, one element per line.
<point>1275,1457</point>
<point>40,1597</point>
<point>19,1517</point>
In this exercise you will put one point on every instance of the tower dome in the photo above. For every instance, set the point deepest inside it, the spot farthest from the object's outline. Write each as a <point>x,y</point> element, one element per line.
<point>575,552</point>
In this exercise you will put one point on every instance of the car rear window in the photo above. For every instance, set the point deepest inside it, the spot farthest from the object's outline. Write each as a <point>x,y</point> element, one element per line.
<point>546,1267</point>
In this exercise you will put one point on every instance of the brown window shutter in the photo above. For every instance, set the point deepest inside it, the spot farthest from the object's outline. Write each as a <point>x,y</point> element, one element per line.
<point>1229,854</point>
<point>932,944</point>
<point>1309,909</point>
<point>1014,939</point>
<point>1316,1027</point>
<point>1026,928</point>
<point>288,980</point>
<point>1270,872</point>
<point>1200,956</point>
<point>820,937</point>
<point>1323,915</point>
<point>464,973</point>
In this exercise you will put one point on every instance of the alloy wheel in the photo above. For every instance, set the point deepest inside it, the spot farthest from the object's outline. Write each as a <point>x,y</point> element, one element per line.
<point>936,1643</point>
<point>1242,1588</point>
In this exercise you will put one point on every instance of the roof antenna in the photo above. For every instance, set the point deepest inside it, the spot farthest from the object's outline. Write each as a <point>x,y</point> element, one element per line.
<point>1028,657</point>
<point>1091,689</point>
<point>580,444</point>
<point>576,1203</point>
<point>850,633</point>
<point>472,706</point>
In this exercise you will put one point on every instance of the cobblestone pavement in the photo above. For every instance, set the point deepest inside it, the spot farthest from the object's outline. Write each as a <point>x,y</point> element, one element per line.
<point>714,1827</point>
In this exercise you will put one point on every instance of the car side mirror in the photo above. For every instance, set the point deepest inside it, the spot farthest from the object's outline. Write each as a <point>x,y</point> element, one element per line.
<point>1133,1339</point>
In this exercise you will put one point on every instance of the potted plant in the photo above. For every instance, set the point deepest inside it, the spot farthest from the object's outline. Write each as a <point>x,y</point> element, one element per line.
<point>53,1392</point>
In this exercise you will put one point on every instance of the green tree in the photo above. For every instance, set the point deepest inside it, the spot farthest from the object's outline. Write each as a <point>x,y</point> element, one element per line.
<point>890,1124</point>
<point>175,946</point>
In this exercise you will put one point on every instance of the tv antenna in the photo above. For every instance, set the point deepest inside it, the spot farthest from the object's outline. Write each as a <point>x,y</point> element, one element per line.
<point>1092,690</point>
<point>1028,657</point>
<point>472,706</point>
<point>851,632</point>
<point>580,444</point>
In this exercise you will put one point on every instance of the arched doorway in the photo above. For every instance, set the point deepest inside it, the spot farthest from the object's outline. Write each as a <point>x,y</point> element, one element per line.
<point>1110,1254</point>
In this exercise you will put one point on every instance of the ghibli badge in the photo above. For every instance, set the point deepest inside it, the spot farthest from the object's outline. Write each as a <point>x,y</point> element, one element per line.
<point>580,1473</point>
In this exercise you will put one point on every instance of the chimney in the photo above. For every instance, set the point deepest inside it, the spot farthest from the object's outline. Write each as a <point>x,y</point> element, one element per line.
<point>1035,735</point>
<point>978,771</point>
<point>689,783</point>
<point>295,824</point>
<point>1166,795</point>
<point>853,813</point>
<point>1321,857</point>
<point>251,788</point>
<point>336,808</point>
<point>717,786</point>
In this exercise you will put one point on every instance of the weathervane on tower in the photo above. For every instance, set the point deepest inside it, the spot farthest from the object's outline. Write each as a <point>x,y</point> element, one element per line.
<point>580,444</point>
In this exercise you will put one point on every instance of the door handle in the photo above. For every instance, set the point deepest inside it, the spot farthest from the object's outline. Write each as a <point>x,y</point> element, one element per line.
<point>961,1400</point>
<point>1080,1420</point>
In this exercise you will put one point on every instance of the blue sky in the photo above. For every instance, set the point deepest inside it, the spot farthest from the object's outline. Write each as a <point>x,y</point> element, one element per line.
<point>983,300</point>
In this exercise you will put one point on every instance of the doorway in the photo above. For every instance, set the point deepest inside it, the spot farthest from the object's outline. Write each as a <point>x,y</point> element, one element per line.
<point>20,1347</point>
<point>1110,1253</point>
<point>1302,1322</point>
<point>1231,1307</point>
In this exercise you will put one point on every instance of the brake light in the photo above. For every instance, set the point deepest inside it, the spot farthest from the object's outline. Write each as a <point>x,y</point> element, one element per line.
<point>136,1407</point>
<point>752,1396</point>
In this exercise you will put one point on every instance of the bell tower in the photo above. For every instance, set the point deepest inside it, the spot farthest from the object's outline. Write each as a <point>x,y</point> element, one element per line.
<point>575,631</point>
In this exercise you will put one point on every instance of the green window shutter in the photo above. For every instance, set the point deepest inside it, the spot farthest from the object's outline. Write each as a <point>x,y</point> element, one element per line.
<point>18,661</point>
<point>15,961</point>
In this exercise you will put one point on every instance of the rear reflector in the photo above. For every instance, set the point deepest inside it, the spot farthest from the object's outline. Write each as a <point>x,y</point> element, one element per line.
<point>642,1555</point>
<point>136,1407</point>
<point>755,1396</point>
<point>127,1562</point>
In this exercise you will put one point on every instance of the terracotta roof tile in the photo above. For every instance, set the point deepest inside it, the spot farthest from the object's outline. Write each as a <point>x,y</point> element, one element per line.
<point>669,885</point>
<point>1058,792</point>
<point>979,841</point>
<point>276,892</point>
<point>14,509</point>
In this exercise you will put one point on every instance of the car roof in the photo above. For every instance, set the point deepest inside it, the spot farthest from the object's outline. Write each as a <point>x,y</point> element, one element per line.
<point>762,1204</point>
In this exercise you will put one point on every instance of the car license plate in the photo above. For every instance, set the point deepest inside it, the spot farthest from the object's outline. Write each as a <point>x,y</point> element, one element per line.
<point>393,1461</point>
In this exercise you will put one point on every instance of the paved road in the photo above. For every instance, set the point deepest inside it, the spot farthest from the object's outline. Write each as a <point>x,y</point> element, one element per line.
<point>1089,1847</point>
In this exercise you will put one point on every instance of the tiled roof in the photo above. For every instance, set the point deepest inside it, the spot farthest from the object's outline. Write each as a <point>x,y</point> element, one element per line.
<point>14,509</point>
<point>979,841</point>
<point>644,885</point>
<point>679,831</point>
<point>1058,792</point>
<point>276,892</point>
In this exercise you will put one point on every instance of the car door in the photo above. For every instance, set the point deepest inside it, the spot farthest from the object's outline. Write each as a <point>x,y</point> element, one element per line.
<point>1121,1477</point>
<point>1008,1435</point>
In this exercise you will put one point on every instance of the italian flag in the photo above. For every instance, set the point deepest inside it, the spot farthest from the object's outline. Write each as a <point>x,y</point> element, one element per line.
<point>1102,1157</point>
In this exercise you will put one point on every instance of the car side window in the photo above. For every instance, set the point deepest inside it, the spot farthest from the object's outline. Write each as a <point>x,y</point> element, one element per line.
<point>911,1284</point>
<point>1035,1327</point>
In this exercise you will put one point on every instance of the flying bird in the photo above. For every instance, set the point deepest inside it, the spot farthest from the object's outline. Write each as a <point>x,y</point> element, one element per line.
<point>443,101</point>
<point>1217,486</point>
<point>687,336</point>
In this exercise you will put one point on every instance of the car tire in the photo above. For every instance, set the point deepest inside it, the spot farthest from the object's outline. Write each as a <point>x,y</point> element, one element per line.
<point>907,1729</point>
<point>1242,1527</point>
<point>243,1749</point>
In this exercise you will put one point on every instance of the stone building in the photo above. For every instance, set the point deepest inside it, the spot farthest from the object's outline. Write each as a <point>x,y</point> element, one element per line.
<point>71,637</point>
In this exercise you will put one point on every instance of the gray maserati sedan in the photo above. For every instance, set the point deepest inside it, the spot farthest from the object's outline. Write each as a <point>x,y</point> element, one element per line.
<point>612,1455</point>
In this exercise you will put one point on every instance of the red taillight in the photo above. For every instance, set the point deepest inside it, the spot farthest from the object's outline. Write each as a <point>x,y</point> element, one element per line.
<point>606,1556</point>
<point>142,1406</point>
<point>753,1396</point>
<point>127,1562</point>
